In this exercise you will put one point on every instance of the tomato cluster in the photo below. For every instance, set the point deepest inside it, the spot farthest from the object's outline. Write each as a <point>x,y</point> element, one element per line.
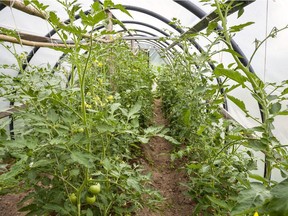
<point>90,197</point>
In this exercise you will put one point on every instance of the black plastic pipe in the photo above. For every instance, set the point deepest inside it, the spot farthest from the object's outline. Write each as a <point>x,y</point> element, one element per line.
<point>2,6</point>
<point>148,33</point>
<point>165,20</point>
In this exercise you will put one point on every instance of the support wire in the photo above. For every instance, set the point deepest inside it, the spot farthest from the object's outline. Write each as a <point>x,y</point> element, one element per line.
<point>266,42</point>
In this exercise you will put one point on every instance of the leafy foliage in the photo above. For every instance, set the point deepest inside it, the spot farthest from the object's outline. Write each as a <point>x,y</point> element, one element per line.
<point>219,152</point>
<point>82,124</point>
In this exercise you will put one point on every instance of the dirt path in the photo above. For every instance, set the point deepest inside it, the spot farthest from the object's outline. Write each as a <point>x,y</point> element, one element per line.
<point>165,176</point>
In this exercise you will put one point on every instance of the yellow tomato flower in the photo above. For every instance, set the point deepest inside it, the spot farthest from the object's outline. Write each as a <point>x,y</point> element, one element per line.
<point>96,98</point>
<point>256,214</point>
<point>98,101</point>
<point>110,97</point>
<point>100,81</point>
<point>88,106</point>
<point>100,64</point>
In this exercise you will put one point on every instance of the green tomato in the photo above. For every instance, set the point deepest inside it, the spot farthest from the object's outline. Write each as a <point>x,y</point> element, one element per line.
<point>81,130</point>
<point>29,152</point>
<point>90,200</point>
<point>73,198</point>
<point>95,189</point>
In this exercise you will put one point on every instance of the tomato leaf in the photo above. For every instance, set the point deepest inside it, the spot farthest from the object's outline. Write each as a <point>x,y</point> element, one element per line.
<point>170,139</point>
<point>103,128</point>
<point>231,74</point>
<point>122,9</point>
<point>96,6</point>
<point>278,206</point>
<point>135,109</point>
<point>107,164</point>
<point>275,108</point>
<point>238,102</point>
<point>82,158</point>
<point>257,145</point>
<point>42,163</point>
<point>211,27</point>
<point>143,140</point>
<point>89,212</point>
<point>285,112</point>
<point>233,52</point>
<point>15,170</point>
<point>218,202</point>
<point>133,183</point>
<point>285,91</point>
<point>186,117</point>
<point>251,199</point>
<point>56,208</point>
<point>240,12</point>
<point>240,27</point>
<point>258,177</point>
<point>54,18</point>
<point>114,107</point>
<point>99,17</point>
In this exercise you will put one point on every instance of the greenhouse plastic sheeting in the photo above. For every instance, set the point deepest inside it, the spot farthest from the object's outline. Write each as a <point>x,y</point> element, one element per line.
<point>276,54</point>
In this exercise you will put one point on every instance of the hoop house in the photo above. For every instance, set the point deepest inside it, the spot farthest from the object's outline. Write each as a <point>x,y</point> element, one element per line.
<point>144,107</point>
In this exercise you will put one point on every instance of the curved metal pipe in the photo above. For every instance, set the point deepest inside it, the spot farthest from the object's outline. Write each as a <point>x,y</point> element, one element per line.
<point>149,26</point>
<point>165,20</point>
<point>169,53</point>
<point>161,46</point>
<point>167,60</point>
<point>194,9</point>
<point>143,24</point>
<point>146,32</point>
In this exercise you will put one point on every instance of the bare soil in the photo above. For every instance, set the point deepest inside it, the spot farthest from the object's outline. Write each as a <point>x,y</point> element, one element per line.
<point>8,204</point>
<point>166,176</point>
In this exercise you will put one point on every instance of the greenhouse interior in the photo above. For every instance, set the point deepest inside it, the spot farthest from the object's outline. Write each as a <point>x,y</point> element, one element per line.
<point>145,108</point>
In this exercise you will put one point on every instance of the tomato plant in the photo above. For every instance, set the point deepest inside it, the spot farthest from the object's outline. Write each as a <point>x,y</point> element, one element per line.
<point>220,152</point>
<point>80,124</point>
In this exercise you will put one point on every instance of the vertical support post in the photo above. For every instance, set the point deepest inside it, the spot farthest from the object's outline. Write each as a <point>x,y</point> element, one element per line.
<point>148,55</point>
<point>133,47</point>
<point>109,27</point>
